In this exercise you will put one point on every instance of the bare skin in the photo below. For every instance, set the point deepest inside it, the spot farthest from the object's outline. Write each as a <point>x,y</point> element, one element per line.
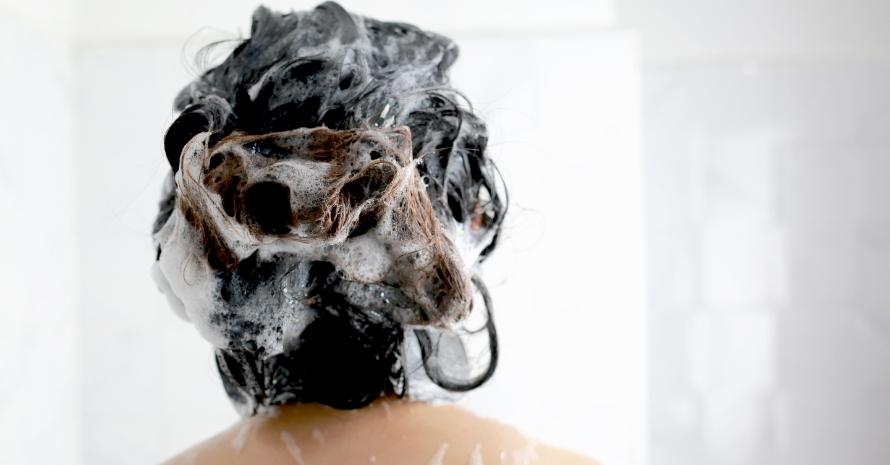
<point>387,432</point>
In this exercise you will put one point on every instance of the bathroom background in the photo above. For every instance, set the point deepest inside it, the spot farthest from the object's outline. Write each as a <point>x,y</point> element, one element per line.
<point>694,265</point>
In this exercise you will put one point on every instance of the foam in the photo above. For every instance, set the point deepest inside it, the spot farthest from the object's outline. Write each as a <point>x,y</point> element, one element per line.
<point>387,268</point>
<point>327,140</point>
<point>240,439</point>
<point>439,456</point>
<point>290,443</point>
<point>476,456</point>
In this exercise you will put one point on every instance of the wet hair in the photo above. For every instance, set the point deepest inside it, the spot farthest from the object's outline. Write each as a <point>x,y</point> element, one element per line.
<point>330,68</point>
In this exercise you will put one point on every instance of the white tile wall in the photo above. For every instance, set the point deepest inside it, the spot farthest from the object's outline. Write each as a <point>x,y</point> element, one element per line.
<point>732,351</point>
<point>742,261</point>
<point>768,240</point>
<point>706,30</point>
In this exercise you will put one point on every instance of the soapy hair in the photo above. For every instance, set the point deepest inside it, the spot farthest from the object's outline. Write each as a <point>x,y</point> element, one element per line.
<point>328,67</point>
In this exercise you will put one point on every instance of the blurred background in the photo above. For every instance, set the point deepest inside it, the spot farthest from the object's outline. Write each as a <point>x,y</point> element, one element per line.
<point>693,266</point>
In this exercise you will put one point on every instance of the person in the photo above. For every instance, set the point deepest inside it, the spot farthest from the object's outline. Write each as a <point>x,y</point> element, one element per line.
<point>388,431</point>
<point>329,204</point>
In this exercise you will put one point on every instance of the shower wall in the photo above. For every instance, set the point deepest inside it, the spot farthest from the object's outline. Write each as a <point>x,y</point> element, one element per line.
<point>767,134</point>
<point>769,254</point>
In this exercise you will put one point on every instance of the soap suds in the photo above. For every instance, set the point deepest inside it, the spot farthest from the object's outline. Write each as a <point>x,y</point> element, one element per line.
<point>318,435</point>
<point>240,439</point>
<point>526,455</point>
<point>439,456</point>
<point>476,456</point>
<point>387,410</point>
<point>292,448</point>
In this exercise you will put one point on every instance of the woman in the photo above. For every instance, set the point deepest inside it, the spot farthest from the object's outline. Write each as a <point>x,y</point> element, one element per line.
<point>329,204</point>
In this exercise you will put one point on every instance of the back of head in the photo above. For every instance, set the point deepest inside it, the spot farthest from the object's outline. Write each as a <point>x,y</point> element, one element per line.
<point>329,203</point>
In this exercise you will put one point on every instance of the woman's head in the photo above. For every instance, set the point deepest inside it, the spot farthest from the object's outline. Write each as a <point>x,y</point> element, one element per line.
<point>329,202</point>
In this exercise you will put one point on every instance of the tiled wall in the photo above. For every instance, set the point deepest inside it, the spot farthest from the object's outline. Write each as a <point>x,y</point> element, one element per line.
<point>769,255</point>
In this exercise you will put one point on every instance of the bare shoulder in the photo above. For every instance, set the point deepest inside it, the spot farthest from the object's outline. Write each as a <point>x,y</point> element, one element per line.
<point>478,441</point>
<point>384,433</point>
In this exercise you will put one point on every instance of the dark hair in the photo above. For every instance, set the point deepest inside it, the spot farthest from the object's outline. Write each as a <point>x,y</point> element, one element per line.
<point>328,67</point>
